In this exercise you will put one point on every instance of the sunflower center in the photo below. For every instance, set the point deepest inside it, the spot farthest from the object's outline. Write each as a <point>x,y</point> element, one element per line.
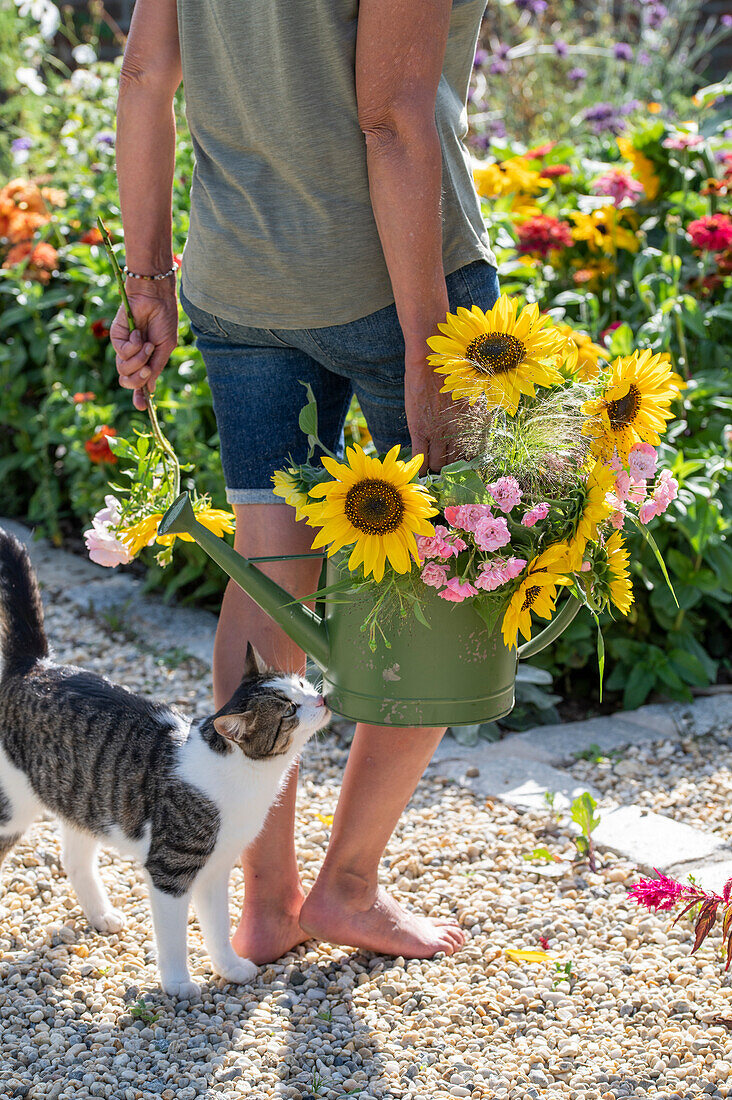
<point>530,596</point>
<point>495,352</point>
<point>374,506</point>
<point>624,410</point>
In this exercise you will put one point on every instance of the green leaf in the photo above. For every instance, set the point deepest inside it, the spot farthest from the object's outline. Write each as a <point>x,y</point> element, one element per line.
<point>652,543</point>
<point>582,812</point>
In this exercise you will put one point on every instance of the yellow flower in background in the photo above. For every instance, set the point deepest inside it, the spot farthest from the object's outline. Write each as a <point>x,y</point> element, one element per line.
<point>619,585</point>
<point>653,108</point>
<point>374,504</point>
<point>144,532</point>
<point>602,230</point>
<point>643,167</point>
<point>508,177</point>
<point>287,485</point>
<point>582,355</point>
<point>537,592</point>
<point>499,355</point>
<point>634,407</point>
<point>595,509</point>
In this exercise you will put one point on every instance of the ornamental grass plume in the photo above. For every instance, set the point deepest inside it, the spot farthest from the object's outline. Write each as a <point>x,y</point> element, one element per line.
<point>664,893</point>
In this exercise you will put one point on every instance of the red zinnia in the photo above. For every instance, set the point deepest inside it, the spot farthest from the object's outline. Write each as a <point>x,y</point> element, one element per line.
<point>97,447</point>
<point>553,171</point>
<point>100,330</point>
<point>542,233</point>
<point>713,232</point>
<point>82,398</point>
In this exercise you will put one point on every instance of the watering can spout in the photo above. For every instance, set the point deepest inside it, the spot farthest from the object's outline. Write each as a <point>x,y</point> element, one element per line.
<point>304,626</point>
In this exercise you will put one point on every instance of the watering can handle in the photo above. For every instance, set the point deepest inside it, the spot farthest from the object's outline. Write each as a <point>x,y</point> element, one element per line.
<point>550,633</point>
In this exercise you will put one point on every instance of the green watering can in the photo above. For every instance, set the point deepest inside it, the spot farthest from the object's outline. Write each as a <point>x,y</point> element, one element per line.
<point>458,673</point>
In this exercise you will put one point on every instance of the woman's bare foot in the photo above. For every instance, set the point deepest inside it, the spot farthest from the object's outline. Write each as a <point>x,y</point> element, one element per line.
<point>351,913</point>
<point>268,928</point>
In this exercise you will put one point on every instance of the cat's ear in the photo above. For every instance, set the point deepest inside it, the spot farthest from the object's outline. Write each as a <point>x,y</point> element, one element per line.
<point>232,727</point>
<point>253,664</point>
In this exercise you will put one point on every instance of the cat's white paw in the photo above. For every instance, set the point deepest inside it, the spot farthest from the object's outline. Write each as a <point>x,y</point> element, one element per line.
<point>238,973</point>
<point>109,920</point>
<point>182,991</point>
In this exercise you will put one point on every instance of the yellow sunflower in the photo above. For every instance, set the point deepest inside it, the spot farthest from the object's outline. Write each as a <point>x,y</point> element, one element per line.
<point>144,532</point>
<point>287,485</point>
<point>375,504</point>
<point>498,354</point>
<point>537,592</point>
<point>618,582</point>
<point>634,405</point>
<point>594,510</point>
<point>603,231</point>
<point>643,166</point>
<point>582,355</point>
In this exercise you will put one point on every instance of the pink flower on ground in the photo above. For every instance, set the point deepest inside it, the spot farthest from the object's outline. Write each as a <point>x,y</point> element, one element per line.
<point>618,184</point>
<point>434,575</point>
<point>626,488</point>
<point>505,492</point>
<point>538,512</point>
<point>442,544</point>
<point>465,516</point>
<point>105,548</point>
<point>492,534</point>
<point>657,893</point>
<point>649,510</point>
<point>642,461</point>
<point>499,571</point>
<point>456,590</point>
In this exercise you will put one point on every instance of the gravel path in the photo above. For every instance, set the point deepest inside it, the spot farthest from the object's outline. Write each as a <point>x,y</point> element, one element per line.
<point>632,1014</point>
<point>690,780</point>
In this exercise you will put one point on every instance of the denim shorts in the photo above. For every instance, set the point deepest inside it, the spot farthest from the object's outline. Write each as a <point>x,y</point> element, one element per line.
<point>255,377</point>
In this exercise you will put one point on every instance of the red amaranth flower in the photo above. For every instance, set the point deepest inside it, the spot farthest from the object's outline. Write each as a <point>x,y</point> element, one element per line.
<point>91,236</point>
<point>553,171</point>
<point>98,448</point>
<point>657,893</point>
<point>100,330</point>
<point>713,232</point>
<point>82,398</point>
<point>543,233</point>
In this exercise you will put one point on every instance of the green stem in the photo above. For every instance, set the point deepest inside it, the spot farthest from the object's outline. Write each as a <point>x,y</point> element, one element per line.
<point>160,439</point>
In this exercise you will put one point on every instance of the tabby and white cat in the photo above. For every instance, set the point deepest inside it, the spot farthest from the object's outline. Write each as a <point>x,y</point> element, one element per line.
<point>183,798</point>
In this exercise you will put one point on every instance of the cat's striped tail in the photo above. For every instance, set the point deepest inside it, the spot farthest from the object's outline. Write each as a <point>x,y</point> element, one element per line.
<point>22,637</point>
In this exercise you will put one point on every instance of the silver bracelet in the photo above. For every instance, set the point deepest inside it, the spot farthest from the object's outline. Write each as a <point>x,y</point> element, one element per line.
<point>131,274</point>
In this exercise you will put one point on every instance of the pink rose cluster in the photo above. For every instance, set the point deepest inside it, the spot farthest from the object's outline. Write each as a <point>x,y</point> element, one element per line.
<point>666,489</point>
<point>631,487</point>
<point>443,544</point>
<point>499,571</point>
<point>101,539</point>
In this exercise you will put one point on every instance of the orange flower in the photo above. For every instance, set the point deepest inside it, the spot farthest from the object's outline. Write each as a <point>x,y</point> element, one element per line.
<point>43,259</point>
<point>97,447</point>
<point>91,236</point>
<point>54,196</point>
<point>82,398</point>
<point>22,210</point>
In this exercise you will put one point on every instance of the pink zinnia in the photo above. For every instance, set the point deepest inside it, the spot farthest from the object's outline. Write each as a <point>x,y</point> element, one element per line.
<point>492,534</point>
<point>618,185</point>
<point>434,575</point>
<point>642,461</point>
<point>538,512</point>
<point>713,232</point>
<point>456,590</point>
<point>657,893</point>
<point>506,493</point>
<point>465,516</point>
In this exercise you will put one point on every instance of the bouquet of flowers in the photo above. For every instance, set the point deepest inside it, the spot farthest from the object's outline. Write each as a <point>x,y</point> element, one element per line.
<point>559,453</point>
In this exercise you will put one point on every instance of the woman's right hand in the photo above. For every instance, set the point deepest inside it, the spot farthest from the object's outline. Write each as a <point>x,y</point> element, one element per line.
<point>142,353</point>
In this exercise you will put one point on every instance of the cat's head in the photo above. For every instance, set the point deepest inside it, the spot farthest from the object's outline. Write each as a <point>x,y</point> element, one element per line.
<point>271,713</point>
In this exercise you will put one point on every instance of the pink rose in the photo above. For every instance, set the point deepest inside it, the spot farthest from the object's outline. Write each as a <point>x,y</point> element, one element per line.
<point>465,516</point>
<point>514,566</point>
<point>492,575</point>
<point>615,464</point>
<point>618,520</point>
<point>666,489</point>
<point>105,548</point>
<point>642,461</point>
<point>649,510</point>
<point>628,488</point>
<point>457,591</point>
<point>538,512</point>
<point>434,575</point>
<point>443,544</point>
<point>506,493</point>
<point>492,533</point>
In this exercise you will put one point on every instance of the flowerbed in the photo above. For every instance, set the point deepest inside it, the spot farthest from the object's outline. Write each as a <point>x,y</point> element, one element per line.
<point>624,236</point>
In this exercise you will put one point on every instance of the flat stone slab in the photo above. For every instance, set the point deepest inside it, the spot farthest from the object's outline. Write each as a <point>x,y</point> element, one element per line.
<point>710,876</point>
<point>516,780</point>
<point>709,714</point>
<point>560,744</point>
<point>652,840</point>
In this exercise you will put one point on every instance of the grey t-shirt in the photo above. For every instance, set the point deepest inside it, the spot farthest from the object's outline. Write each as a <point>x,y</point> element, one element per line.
<point>282,233</point>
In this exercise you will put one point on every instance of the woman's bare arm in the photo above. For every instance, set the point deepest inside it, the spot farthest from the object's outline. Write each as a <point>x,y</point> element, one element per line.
<point>399,55</point>
<point>145,152</point>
